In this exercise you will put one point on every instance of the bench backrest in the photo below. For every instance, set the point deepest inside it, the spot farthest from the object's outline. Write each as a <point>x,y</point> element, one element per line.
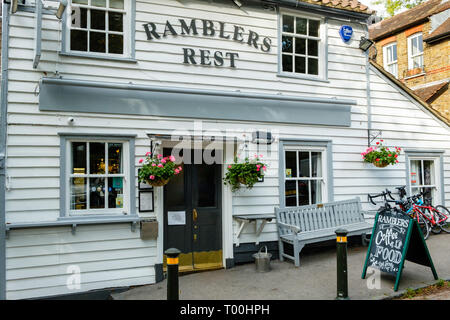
<point>321,216</point>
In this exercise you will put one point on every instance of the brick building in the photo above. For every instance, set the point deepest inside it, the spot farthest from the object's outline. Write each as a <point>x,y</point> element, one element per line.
<point>414,46</point>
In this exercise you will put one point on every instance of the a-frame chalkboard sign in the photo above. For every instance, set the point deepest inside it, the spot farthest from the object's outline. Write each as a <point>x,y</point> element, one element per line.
<point>396,238</point>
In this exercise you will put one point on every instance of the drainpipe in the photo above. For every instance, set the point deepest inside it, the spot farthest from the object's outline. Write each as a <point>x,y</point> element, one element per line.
<point>369,108</point>
<point>3,127</point>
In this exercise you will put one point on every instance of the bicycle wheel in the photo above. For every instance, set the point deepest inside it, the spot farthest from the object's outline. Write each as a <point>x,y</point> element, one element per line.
<point>424,227</point>
<point>435,228</point>
<point>444,215</point>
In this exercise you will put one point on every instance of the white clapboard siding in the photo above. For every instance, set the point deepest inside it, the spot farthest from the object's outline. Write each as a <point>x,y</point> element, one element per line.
<point>39,260</point>
<point>113,255</point>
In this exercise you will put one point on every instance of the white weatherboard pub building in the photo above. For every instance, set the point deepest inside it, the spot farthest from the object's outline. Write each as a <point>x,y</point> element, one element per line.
<point>84,97</point>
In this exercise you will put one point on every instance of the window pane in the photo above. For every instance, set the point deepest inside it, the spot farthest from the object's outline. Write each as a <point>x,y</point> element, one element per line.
<point>99,3</point>
<point>300,65</point>
<point>78,40</point>
<point>287,43</point>
<point>97,41</point>
<point>175,188</point>
<point>428,193</point>
<point>80,1</point>
<point>114,158</point>
<point>79,158</point>
<point>98,19</point>
<point>206,186</point>
<point>420,43</point>
<point>301,25</point>
<point>116,4</point>
<point>287,63</point>
<point>78,194</point>
<point>316,191</point>
<point>115,192</point>
<point>314,28</point>
<point>97,158</point>
<point>115,21</point>
<point>428,172</point>
<point>303,192</point>
<point>115,43</point>
<point>288,24</point>
<point>313,48</point>
<point>303,163</point>
<point>416,173</point>
<point>97,193</point>
<point>389,54</point>
<point>394,52</point>
<point>291,164</point>
<point>316,163</point>
<point>313,66</point>
<point>300,45</point>
<point>291,194</point>
<point>79,17</point>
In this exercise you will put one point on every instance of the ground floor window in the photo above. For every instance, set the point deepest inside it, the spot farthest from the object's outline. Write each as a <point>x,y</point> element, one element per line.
<point>305,177</point>
<point>424,176</point>
<point>97,176</point>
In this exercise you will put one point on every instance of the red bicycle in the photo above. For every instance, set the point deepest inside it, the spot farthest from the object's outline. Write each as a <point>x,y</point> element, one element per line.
<point>430,218</point>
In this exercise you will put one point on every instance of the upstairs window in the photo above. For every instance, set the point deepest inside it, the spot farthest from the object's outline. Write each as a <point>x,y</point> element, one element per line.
<point>415,51</point>
<point>390,59</point>
<point>301,46</point>
<point>99,27</point>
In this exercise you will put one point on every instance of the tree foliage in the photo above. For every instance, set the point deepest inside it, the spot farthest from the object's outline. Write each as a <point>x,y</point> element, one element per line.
<point>394,6</point>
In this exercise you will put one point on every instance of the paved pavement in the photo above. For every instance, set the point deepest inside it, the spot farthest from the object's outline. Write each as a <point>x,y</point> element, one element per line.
<point>314,280</point>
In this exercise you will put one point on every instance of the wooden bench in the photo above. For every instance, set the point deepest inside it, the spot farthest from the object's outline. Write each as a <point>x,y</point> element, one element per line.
<point>302,225</point>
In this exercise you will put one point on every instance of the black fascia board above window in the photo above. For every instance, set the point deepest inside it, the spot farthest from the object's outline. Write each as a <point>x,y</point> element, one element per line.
<point>117,98</point>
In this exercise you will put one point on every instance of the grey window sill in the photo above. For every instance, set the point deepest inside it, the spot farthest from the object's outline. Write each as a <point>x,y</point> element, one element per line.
<point>299,77</point>
<point>93,56</point>
<point>415,76</point>
<point>74,221</point>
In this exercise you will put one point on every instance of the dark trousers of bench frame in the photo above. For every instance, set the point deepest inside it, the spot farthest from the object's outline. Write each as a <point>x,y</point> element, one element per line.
<point>302,225</point>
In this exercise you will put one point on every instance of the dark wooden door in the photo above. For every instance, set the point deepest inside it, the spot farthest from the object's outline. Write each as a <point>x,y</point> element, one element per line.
<point>195,193</point>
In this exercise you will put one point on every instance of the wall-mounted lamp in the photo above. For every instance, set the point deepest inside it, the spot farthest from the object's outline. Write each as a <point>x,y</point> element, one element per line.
<point>262,137</point>
<point>365,44</point>
<point>61,8</point>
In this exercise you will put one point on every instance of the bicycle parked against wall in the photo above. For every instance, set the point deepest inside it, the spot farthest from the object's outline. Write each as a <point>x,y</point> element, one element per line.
<point>429,217</point>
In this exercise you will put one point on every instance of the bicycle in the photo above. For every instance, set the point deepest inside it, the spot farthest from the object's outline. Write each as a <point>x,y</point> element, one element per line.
<point>434,219</point>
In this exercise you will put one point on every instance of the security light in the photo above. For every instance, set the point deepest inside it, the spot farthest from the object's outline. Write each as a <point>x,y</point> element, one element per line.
<point>365,44</point>
<point>14,5</point>
<point>238,3</point>
<point>61,8</point>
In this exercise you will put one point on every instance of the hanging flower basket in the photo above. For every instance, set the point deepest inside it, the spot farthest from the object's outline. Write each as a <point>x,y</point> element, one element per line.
<point>158,183</point>
<point>380,164</point>
<point>246,173</point>
<point>157,170</point>
<point>381,156</point>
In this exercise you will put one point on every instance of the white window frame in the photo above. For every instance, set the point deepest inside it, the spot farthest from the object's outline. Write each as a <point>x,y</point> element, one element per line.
<point>323,178</point>
<point>411,56</point>
<point>322,43</point>
<point>127,20</point>
<point>387,62</point>
<point>436,192</point>
<point>125,175</point>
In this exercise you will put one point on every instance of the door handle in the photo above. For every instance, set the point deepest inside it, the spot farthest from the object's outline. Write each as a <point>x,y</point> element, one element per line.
<point>194,215</point>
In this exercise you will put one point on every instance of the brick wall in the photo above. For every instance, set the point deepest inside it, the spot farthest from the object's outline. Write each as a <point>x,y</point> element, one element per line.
<point>436,63</point>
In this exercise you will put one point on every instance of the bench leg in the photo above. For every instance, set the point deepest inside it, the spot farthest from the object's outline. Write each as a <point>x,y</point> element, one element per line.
<point>280,249</point>
<point>297,248</point>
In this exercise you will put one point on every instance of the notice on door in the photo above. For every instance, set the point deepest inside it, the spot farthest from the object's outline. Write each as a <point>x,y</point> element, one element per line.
<point>176,218</point>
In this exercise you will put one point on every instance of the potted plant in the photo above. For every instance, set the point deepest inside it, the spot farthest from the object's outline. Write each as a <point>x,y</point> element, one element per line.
<point>157,170</point>
<point>380,155</point>
<point>245,173</point>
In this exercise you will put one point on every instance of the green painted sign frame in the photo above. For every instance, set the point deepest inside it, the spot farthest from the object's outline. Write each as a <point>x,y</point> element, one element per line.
<point>414,249</point>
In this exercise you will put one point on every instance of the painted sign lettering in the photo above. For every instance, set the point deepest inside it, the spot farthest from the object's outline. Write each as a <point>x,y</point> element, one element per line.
<point>209,28</point>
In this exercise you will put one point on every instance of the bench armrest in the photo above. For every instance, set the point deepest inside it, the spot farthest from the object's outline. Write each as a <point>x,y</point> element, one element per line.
<point>291,227</point>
